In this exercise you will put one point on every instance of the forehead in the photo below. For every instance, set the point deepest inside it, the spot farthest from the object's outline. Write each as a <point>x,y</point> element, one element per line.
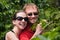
<point>21,14</point>
<point>31,9</point>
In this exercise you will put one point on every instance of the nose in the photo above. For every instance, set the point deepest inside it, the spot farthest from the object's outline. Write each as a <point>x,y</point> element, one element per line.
<point>33,15</point>
<point>23,20</point>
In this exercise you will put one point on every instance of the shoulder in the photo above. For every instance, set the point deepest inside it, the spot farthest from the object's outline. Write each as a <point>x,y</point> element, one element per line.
<point>8,34</point>
<point>11,36</point>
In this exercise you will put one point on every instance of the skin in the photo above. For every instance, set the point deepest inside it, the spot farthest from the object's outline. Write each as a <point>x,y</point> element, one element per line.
<point>32,18</point>
<point>18,27</point>
<point>21,24</point>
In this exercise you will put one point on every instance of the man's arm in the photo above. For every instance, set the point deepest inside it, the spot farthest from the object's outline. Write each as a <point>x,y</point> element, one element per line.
<point>38,31</point>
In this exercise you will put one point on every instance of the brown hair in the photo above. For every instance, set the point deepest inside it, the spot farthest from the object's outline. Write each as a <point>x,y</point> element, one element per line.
<point>29,5</point>
<point>14,16</point>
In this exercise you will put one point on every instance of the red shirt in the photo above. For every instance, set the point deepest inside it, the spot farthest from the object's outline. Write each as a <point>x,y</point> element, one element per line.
<point>26,34</point>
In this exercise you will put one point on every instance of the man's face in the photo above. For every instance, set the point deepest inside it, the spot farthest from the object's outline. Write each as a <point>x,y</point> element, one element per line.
<point>32,14</point>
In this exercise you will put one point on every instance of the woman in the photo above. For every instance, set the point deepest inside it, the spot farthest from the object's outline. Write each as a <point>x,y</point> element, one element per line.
<point>19,22</point>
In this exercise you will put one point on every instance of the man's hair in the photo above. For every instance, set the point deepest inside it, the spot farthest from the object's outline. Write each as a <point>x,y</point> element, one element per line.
<point>30,5</point>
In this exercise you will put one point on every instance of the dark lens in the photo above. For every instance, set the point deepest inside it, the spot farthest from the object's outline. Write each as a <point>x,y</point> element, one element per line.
<point>19,18</point>
<point>30,14</point>
<point>26,19</point>
<point>35,13</point>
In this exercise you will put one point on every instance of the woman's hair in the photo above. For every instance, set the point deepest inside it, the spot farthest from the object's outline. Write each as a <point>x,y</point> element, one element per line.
<point>30,5</point>
<point>14,16</point>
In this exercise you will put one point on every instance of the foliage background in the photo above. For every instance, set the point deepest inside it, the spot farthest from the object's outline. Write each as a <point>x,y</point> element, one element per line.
<point>49,17</point>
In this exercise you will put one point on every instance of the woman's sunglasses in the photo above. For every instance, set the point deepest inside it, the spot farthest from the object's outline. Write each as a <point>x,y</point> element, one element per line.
<point>35,13</point>
<point>21,18</point>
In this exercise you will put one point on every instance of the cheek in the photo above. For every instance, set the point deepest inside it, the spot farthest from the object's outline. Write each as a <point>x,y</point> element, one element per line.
<point>17,22</point>
<point>25,22</point>
<point>29,17</point>
<point>36,16</point>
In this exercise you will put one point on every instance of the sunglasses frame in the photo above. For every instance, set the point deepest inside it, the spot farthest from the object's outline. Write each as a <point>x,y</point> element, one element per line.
<point>21,18</point>
<point>31,13</point>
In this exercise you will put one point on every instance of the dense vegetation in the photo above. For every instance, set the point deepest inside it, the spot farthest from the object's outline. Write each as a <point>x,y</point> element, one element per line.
<point>49,17</point>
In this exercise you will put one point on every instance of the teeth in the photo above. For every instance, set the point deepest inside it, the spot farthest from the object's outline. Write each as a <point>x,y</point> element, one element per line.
<point>22,24</point>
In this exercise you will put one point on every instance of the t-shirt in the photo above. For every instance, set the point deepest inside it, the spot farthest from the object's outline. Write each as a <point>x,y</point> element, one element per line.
<point>26,34</point>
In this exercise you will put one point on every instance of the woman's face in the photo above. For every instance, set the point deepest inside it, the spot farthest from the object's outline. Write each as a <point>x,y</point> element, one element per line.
<point>21,20</point>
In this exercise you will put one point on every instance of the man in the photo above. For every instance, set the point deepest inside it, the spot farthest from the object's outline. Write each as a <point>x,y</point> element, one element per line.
<point>32,14</point>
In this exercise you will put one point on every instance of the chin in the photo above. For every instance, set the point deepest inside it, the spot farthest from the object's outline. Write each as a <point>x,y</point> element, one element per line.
<point>22,27</point>
<point>32,22</point>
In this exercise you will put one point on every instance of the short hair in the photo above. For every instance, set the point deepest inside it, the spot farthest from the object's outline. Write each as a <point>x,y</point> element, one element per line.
<point>30,5</point>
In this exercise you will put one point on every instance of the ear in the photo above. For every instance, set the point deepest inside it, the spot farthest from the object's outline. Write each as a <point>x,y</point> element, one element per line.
<point>14,22</point>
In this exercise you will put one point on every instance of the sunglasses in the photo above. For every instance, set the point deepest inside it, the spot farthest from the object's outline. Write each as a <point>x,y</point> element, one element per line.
<point>21,18</point>
<point>35,13</point>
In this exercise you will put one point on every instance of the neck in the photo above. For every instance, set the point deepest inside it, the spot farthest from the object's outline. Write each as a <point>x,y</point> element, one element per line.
<point>30,24</point>
<point>16,30</point>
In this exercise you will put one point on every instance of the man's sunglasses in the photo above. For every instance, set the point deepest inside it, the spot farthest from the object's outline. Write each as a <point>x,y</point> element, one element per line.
<point>35,13</point>
<point>21,18</point>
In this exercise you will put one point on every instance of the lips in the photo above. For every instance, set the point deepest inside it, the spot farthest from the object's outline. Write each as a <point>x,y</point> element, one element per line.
<point>22,24</point>
<point>33,19</point>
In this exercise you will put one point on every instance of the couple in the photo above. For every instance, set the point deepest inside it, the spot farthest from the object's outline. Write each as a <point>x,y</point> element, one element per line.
<point>22,22</point>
